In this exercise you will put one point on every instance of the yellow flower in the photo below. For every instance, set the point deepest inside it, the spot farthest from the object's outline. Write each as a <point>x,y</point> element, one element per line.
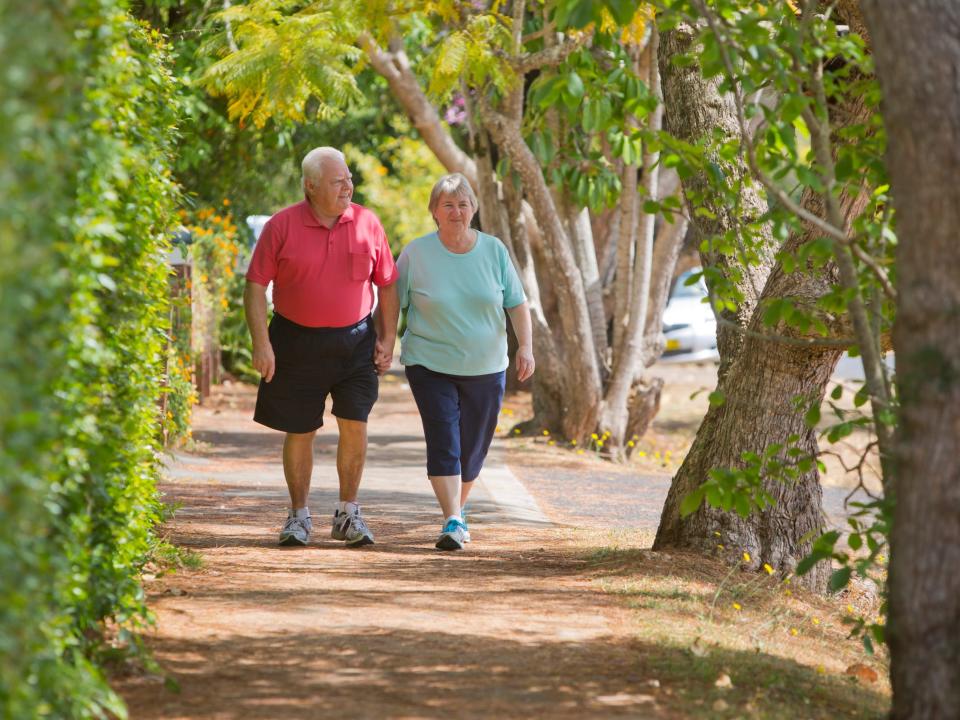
<point>736,606</point>
<point>821,669</point>
<point>643,453</point>
<point>594,436</point>
<point>766,566</point>
<point>815,621</point>
<point>226,203</point>
<point>881,559</point>
<point>516,431</point>
<point>717,533</point>
<point>499,428</point>
<point>579,452</point>
<point>551,443</point>
<point>573,442</point>
<point>546,433</point>
<point>746,557</point>
<point>630,443</point>
<point>599,443</point>
<point>794,632</point>
<point>788,592</point>
<point>719,546</point>
<point>850,609</point>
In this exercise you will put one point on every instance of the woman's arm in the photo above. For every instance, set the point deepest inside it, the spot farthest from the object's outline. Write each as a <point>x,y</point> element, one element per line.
<point>523,328</point>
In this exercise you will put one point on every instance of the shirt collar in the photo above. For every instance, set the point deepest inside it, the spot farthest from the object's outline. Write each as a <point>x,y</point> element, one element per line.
<point>310,220</point>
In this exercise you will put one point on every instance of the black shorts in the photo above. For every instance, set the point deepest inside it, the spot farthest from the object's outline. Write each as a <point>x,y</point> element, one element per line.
<point>314,362</point>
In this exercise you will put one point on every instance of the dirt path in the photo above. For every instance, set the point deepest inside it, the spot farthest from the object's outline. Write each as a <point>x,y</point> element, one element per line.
<point>512,627</point>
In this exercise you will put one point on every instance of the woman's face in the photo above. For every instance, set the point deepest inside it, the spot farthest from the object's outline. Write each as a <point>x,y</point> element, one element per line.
<point>453,213</point>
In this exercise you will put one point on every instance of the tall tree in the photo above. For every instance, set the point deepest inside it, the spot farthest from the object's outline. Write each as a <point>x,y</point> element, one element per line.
<point>918,60</point>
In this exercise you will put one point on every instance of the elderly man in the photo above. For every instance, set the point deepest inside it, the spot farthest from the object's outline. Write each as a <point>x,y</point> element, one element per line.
<point>324,255</point>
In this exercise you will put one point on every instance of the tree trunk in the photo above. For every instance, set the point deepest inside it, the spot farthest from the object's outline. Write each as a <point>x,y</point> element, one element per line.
<point>758,379</point>
<point>918,60</point>
<point>582,402</point>
<point>693,109</point>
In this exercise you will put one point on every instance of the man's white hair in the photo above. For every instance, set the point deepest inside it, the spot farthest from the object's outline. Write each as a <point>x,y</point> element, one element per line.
<point>313,161</point>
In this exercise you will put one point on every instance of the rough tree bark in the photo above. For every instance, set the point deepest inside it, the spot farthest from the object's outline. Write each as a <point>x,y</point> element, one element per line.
<point>759,379</point>
<point>917,54</point>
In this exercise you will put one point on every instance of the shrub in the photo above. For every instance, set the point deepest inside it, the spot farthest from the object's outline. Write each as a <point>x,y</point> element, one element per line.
<point>87,122</point>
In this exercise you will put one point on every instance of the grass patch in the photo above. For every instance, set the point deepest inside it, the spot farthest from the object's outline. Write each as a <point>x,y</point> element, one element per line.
<point>718,642</point>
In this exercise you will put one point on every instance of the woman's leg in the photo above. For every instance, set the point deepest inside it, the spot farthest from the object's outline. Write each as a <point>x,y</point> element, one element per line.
<point>439,406</point>
<point>480,400</point>
<point>447,490</point>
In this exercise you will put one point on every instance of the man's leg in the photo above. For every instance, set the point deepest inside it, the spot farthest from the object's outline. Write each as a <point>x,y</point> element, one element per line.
<point>348,524</point>
<point>298,466</point>
<point>297,469</point>
<point>351,456</point>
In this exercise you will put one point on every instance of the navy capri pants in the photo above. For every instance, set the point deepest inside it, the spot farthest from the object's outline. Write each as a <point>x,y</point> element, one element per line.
<point>459,415</point>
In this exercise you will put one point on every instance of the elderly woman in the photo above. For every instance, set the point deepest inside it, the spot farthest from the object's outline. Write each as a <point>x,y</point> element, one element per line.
<point>455,285</point>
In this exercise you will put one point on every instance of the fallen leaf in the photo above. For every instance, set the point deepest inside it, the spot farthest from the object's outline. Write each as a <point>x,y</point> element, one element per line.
<point>698,648</point>
<point>723,682</point>
<point>863,673</point>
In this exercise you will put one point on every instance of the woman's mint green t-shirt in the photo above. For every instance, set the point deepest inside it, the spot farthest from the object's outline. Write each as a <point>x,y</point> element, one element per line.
<point>455,305</point>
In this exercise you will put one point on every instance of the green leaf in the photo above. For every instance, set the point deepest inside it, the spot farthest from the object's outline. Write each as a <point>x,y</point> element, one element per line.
<point>840,578</point>
<point>691,502</point>
<point>574,86</point>
<point>812,417</point>
<point>716,398</point>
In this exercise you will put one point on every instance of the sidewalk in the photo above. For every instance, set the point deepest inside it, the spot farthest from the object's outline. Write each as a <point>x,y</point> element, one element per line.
<point>246,457</point>
<point>395,630</point>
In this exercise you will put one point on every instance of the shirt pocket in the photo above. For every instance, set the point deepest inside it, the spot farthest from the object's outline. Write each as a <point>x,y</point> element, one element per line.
<point>361,259</point>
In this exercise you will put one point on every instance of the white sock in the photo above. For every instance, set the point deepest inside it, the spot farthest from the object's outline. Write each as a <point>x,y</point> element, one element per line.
<point>348,507</point>
<point>458,518</point>
<point>302,513</point>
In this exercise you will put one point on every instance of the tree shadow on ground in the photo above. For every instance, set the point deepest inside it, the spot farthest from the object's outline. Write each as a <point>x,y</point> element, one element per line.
<point>371,672</point>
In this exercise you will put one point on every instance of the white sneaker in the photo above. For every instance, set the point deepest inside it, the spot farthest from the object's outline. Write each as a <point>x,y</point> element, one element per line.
<point>296,531</point>
<point>351,528</point>
<point>453,535</point>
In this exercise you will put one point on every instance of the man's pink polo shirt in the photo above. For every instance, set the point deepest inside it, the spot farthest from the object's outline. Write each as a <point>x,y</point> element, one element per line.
<point>323,277</point>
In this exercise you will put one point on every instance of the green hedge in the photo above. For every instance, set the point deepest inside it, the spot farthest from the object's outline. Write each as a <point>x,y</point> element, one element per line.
<point>87,124</point>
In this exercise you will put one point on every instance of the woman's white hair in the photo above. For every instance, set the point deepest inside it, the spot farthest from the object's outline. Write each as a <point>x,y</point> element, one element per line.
<point>313,161</point>
<point>452,184</point>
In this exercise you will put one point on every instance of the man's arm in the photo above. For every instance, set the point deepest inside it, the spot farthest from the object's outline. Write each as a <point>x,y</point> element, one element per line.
<point>388,313</point>
<point>255,309</point>
<point>523,328</point>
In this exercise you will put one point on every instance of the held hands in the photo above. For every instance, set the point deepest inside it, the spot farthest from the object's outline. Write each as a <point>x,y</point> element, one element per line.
<point>525,363</point>
<point>383,354</point>
<point>264,361</point>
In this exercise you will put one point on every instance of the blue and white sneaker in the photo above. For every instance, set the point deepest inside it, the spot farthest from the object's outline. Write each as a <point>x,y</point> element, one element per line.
<point>466,529</point>
<point>453,536</point>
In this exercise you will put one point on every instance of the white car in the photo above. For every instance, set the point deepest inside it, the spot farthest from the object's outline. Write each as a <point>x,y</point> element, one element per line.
<point>256,223</point>
<point>689,325</point>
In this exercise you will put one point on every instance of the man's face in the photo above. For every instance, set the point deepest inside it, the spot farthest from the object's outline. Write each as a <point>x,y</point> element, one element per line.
<point>331,190</point>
